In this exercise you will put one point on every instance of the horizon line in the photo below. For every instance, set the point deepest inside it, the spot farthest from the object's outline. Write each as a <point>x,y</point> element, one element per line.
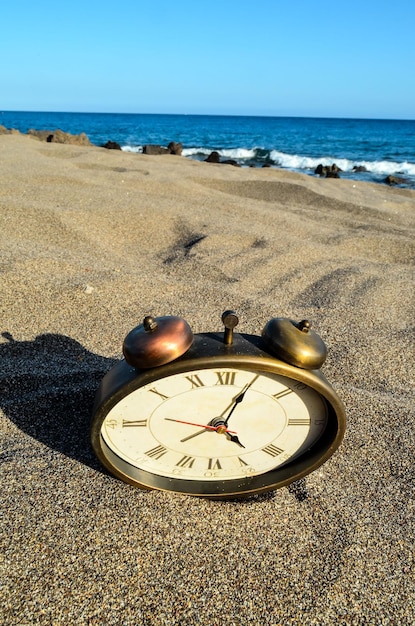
<point>327,117</point>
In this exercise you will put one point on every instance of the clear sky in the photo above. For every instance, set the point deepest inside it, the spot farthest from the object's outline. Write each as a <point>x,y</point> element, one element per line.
<point>241,57</point>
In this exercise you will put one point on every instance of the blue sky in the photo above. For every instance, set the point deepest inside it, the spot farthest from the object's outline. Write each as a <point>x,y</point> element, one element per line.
<point>241,57</point>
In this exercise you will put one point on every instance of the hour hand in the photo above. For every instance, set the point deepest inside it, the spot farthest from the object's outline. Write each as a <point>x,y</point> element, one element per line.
<point>235,439</point>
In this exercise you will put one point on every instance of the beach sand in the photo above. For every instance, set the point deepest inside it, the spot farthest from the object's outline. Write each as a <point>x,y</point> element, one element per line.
<point>92,240</point>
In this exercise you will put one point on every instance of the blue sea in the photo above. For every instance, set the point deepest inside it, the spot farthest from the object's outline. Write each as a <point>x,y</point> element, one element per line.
<point>382,147</point>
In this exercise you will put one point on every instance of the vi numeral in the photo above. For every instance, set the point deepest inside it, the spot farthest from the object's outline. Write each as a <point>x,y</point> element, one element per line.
<point>214,464</point>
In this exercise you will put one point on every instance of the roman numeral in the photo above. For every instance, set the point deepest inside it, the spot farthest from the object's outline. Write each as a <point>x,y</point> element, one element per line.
<point>242,462</point>
<point>281,394</point>
<point>127,423</point>
<point>272,450</point>
<point>195,380</point>
<point>158,393</point>
<point>156,453</point>
<point>298,421</point>
<point>214,464</point>
<point>186,461</point>
<point>226,378</point>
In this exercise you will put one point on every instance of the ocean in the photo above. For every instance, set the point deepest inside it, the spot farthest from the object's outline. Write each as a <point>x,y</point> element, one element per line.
<point>378,147</point>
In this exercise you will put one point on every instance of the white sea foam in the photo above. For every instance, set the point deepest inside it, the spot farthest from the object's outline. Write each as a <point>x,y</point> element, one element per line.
<point>226,153</point>
<point>132,148</point>
<point>189,152</point>
<point>389,167</point>
<point>297,162</point>
<point>238,153</point>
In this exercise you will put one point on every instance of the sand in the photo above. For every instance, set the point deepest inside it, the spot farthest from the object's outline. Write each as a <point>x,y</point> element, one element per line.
<point>91,241</point>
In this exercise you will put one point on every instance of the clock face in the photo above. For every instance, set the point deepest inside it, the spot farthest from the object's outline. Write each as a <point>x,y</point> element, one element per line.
<point>214,424</point>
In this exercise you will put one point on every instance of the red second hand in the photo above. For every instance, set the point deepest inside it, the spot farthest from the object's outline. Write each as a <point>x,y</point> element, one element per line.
<point>169,419</point>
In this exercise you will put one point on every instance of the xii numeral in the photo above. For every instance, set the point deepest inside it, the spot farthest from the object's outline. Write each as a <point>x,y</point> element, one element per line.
<point>226,378</point>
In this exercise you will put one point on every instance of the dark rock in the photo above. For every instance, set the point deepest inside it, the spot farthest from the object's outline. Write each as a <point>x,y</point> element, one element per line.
<point>395,180</point>
<point>112,145</point>
<point>230,162</point>
<point>266,165</point>
<point>175,148</point>
<point>320,170</point>
<point>213,157</point>
<point>359,168</point>
<point>155,150</point>
<point>172,148</point>
<point>329,171</point>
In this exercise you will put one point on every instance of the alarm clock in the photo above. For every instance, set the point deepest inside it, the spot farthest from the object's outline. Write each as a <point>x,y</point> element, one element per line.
<point>217,414</point>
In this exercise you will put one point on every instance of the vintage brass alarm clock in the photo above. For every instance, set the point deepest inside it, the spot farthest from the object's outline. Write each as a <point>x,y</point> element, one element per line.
<point>217,415</point>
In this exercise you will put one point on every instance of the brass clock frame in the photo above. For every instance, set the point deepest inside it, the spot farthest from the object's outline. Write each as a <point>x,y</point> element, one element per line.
<point>208,351</point>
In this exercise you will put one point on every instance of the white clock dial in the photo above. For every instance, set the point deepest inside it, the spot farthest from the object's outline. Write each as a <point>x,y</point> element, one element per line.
<point>215,424</point>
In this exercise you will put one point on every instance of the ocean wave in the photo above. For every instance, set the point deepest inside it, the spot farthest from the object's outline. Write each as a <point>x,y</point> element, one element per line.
<point>294,162</point>
<point>389,167</point>
<point>239,154</point>
<point>128,148</point>
<point>297,162</point>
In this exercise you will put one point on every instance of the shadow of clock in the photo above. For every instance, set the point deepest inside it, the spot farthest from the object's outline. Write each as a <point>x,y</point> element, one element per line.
<point>47,388</point>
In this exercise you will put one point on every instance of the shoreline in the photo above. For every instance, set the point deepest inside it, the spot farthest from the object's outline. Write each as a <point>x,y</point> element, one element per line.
<point>359,168</point>
<point>93,240</point>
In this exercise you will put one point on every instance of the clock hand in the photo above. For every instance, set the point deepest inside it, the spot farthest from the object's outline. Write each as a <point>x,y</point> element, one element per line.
<point>207,426</point>
<point>194,435</point>
<point>230,406</point>
<point>223,424</point>
<point>221,429</point>
<point>235,439</point>
<point>237,400</point>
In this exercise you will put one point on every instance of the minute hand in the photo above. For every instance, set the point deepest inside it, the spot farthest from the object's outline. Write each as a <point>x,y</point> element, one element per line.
<point>237,401</point>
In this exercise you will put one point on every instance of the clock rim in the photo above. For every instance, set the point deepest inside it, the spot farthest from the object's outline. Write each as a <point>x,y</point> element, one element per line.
<point>209,352</point>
